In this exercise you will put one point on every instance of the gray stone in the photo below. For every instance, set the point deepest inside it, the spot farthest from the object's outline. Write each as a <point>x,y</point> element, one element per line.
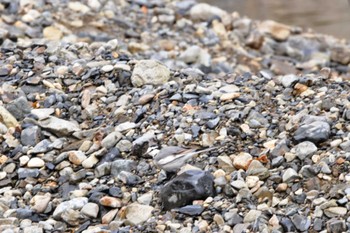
<point>213,123</point>
<point>42,147</point>
<point>149,72</point>
<point>129,178</point>
<point>290,175</point>
<point>59,126</point>
<point>120,165</point>
<point>257,120</point>
<point>111,139</point>
<point>191,210</point>
<point>302,223</point>
<point>336,226</point>
<point>305,149</point>
<point>103,169</point>
<point>74,204</point>
<point>31,136</point>
<point>316,132</point>
<point>19,108</point>
<point>26,172</point>
<point>124,145</point>
<point>188,186</point>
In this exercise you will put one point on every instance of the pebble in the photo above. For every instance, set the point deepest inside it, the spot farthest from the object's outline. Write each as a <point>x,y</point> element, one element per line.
<point>90,210</point>
<point>76,157</point>
<point>35,162</point>
<point>6,118</point>
<point>305,149</point>
<point>251,216</point>
<point>137,214</point>
<point>58,126</point>
<point>316,132</point>
<point>149,72</point>
<point>40,202</point>
<point>192,210</point>
<point>242,161</point>
<point>333,212</point>
<point>290,175</point>
<point>31,136</point>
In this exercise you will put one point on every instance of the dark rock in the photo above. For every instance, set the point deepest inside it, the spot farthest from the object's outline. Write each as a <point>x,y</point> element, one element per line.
<point>115,192</point>
<point>188,186</point>
<point>83,227</point>
<point>96,196</point>
<point>316,132</point>
<point>24,213</point>
<point>287,225</point>
<point>31,136</point>
<point>278,161</point>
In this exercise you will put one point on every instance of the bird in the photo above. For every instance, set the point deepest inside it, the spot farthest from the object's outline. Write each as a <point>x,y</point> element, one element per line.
<point>172,158</point>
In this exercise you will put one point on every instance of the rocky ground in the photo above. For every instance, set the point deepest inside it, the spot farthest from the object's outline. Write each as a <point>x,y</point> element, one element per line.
<point>92,90</point>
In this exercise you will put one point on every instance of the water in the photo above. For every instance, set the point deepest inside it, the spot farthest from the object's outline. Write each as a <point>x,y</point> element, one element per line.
<point>324,16</point>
